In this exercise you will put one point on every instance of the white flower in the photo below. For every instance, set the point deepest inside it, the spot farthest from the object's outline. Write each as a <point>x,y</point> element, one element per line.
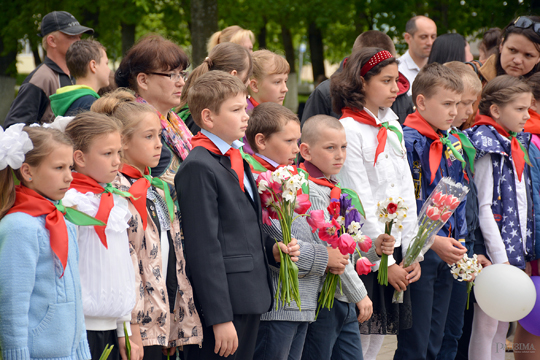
<point>354,227</point>
<point>263,186</point>
<point>340,220</point>
<point>289,195</point>
<point>14,144</point>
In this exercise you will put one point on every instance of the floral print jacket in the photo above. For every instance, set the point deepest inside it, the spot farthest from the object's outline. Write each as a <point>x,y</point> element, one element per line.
<point>152,312</point>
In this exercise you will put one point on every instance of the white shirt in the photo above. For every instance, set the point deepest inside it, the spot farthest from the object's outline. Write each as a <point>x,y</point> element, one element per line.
<point>409,69</point>
<point>107,275</point>
<point>483,178</point>
<point>390,177</point>
<point>224,147</point>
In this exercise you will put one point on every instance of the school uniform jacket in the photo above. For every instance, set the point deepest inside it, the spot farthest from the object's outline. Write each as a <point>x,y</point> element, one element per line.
<point>225,246</point>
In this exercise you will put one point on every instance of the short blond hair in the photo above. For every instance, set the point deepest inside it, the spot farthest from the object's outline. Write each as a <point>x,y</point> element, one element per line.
<point>311,130</point>
<point>211,90</point>
<point>234,34</point>
<point>266,62</point>
<point>468,76</point>
<point>432,77</point>
<point>44,43</point>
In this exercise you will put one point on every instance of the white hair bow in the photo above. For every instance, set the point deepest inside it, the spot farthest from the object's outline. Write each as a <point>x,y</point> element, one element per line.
<point>14,144</point>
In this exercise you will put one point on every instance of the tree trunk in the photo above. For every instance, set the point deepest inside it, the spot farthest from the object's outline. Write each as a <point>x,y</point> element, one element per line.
<point>35,52</point>
<point>316,50</point>
<point>204,22</point>
<point>261,37</point>
<point>128,37</point>
<point>8,70</point>
<point>291,100</point>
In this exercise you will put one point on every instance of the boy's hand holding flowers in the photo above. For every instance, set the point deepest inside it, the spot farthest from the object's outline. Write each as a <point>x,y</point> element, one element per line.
<point>336,261</point>
<point>385,244</point>
<point>293,250</point>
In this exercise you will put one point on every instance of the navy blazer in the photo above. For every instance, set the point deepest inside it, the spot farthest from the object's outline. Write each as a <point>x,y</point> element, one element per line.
<point>226,250</point>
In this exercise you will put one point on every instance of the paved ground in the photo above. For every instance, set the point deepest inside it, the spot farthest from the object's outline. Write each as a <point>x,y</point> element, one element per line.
<point>389,346</point>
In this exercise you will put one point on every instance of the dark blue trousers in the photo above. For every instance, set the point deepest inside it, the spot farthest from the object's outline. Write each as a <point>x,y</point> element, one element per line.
<point>280,340</point>
<point>430,298</point>
<point>334,335</point>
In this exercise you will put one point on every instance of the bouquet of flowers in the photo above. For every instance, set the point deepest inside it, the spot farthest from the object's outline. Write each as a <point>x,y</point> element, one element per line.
<point>435,212</point>
<point>465,270</point>
<point>343,232</point>
<point>390,212</point>
<point>282,197</point>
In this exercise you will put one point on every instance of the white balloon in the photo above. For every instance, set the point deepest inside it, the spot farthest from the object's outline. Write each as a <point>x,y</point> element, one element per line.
<point>505,292</point>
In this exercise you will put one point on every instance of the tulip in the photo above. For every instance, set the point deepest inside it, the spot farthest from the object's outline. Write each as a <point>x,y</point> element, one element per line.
<point>363,266</point>
<point>316,220</point>
<point>346,244</point>
<point>302,204</point>
<point>433,213</point>
<point>334,209</point>
<point>442,200</point>
<point>329,234</point>
<point>446,215</point>
<point>265,217</point>
<point>453,204</point>
<point>391,208</point>
<point>437,198</point>
<point>365,243</point>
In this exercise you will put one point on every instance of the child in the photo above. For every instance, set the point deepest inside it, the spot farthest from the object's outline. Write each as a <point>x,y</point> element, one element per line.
<point>376,169</point>
<point>107,276</point>
<point>225,245</point>
<point>269,80</point>
<point>88,63</point>
<point>164,315</point>
<point>472,87</point>
<point>335,334</point>
<point>273,133</point>
<point>229,57</point>
<point>504,196</point>
<point>432,154</point>
<point>40,301</point>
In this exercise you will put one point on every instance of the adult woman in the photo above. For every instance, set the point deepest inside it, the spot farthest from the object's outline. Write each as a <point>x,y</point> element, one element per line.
<point>450,47</point>
<point>154,69</point>
<point>518,54</point>
<point>234,34</point>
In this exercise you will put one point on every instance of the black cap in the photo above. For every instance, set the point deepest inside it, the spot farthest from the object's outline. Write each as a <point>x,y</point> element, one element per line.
<point>64,22</point>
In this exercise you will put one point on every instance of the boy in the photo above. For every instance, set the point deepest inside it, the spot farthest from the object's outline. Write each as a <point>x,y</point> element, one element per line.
<point>336,332</point>
<point>88,63</point>
<point>226,257</point>
<point>436,93</point>
<point>474,241</point>
<point>273,133</point>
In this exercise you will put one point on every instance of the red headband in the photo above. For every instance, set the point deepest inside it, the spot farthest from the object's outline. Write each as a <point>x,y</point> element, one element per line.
<point>375,59</point>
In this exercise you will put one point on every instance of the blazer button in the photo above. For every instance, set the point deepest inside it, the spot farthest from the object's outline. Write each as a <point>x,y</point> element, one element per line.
<point>387,156</point>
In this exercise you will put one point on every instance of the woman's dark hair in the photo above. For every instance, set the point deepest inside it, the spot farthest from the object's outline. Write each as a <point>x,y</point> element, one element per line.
<point>346,86</point>
<point>446,48</point>
<point>490,41</point>
<point>529,33</point>
<point>152,53</point>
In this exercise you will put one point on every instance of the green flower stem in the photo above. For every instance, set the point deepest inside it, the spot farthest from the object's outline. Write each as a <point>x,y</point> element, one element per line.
<point>382,276</point>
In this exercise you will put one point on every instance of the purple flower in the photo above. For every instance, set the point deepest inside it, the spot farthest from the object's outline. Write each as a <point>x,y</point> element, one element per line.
<point>345,202</point>
<point>351,214</point>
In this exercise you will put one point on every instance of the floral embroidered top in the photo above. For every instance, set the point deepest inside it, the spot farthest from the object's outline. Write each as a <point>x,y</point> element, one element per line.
<point>160,323</point>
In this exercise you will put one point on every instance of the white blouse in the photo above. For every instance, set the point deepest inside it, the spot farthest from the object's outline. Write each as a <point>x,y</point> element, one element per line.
<point>390,177</point>
<point>107,275</point>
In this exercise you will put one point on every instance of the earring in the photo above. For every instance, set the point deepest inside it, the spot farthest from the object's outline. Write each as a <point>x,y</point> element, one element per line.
<point>29,179</point>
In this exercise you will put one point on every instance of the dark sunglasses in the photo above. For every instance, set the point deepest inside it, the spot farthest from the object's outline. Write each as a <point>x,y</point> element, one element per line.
<point>524,22</point>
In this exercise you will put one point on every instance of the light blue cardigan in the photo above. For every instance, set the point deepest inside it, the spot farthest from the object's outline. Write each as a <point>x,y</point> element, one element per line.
<point>41,315</point>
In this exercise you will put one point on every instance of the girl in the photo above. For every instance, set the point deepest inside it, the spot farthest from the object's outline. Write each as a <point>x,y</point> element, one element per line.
<point>107,276</point>
<point>228,57</point>
<point>268,83</point>
<point>502,177</point>
<point>234,34</point>
<point>40,299</point>
<point>377,168</point>
<point>269,80</point>
<point>164,315</point>
<point>450,47</point>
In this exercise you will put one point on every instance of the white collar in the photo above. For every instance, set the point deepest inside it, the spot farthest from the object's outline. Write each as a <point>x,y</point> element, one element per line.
<point>384,115</point>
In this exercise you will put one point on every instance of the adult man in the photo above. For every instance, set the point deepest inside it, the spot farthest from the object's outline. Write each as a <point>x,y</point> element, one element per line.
<point>59,29</point>
<point>420,33</point>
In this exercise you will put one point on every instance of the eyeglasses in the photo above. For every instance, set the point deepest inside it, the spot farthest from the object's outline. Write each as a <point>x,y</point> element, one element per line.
<point>174,77</point>
<point>524,22</point>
